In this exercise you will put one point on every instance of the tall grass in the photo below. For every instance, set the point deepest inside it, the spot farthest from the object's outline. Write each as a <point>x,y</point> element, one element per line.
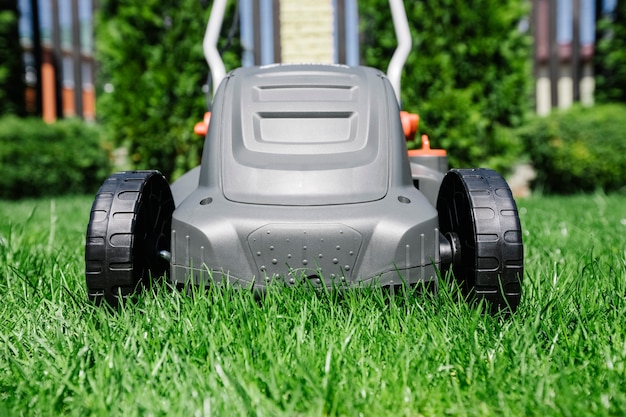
<point>300,352</point>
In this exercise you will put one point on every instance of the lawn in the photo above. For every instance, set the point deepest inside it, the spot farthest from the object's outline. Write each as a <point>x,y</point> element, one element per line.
<point>296,352</point>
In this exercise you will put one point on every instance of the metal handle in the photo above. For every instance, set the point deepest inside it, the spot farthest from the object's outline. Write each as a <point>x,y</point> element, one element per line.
<point>403,34</point>
<point>394,71</point>
<point>209,44</point>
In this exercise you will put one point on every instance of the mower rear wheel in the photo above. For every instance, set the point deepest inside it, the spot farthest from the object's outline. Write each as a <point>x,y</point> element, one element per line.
<point>129,226</point>
<point>478,216</point>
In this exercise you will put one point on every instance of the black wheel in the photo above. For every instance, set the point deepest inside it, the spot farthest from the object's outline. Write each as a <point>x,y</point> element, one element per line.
<point>479,218</point>
<point>129,226</point>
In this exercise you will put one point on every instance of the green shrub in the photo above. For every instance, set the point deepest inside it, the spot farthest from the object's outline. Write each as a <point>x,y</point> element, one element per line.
<point>582,149</point>
<point>467,75</point>
<point>151,61</point>
<point>467,78</point>
<point>609,60</point>
<point>39,159</point>
<point>11,65</point>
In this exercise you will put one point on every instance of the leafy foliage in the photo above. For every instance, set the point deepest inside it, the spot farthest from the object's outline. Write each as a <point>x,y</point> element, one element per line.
<point>467,75</point>
<point>153,68</point>
<point>11,68</point>
<point>582,149</point>
<point>610,59</point>
<point>50,159</point>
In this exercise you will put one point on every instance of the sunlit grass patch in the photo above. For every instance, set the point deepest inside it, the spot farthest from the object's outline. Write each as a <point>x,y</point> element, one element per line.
<point>293,351</point>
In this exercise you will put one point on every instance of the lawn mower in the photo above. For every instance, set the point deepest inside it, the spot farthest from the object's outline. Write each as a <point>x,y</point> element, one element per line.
<point>305,177</point>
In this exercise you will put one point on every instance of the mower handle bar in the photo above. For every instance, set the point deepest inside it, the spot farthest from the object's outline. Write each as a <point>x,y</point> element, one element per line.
<point>394,71</point>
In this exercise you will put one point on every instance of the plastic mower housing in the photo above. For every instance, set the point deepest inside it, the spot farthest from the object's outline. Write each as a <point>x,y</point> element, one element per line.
<point>305,176</point>
<point>299,179</point>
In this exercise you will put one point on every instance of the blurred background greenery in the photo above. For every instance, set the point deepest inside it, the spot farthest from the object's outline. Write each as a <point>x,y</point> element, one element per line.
<point>470,78</point>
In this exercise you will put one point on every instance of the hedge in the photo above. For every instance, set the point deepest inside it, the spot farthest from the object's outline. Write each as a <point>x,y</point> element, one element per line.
<point>11,65</point>
<point>580,150</point>
<point>151,61</point>
<point>468,75</point>
<point>39,159</point>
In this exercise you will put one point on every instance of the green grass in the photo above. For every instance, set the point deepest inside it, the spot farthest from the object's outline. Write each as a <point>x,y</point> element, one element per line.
<point>221,352</point>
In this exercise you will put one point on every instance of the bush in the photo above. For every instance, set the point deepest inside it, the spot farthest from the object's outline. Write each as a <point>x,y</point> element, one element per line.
<point>610,58</point>
<point>38,159</point>
<point>11,65</point>
<point>151,62</point>
<point>582,149</point>
<point>467,76</point>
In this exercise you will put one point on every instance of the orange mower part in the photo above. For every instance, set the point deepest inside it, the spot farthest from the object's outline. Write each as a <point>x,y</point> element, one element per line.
<point>425,149</point>
<point>410,123</point>
<point>201,128</point>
